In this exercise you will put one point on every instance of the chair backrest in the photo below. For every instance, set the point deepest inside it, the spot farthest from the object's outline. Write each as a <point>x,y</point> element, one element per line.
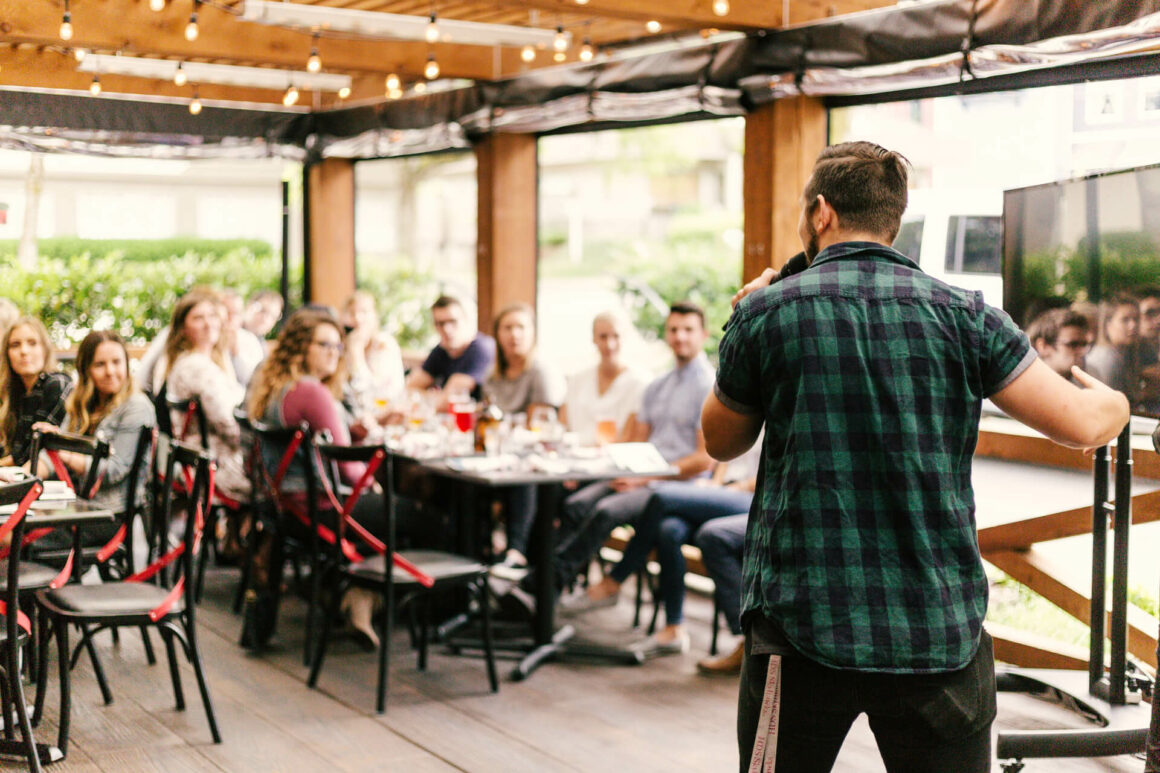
<point>194,468</point>
<point>19,496</point>
<point>192,415</point>
<point>93,447</point>
<point>284,451</point>
<point>378,465</point>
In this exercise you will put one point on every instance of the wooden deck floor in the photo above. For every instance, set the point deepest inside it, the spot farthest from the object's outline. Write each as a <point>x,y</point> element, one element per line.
<point>568,717</point>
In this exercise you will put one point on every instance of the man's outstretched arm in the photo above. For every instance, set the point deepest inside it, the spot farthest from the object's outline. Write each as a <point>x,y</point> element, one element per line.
<point>1084,416</point>
<point>728,433</point>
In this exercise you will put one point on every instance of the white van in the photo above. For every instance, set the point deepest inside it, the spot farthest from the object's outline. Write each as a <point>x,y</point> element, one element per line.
<point>956,235</point>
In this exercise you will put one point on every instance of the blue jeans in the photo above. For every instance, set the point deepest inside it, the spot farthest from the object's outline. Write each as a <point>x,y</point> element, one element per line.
<point>673,513</point>
<point>722,543</point>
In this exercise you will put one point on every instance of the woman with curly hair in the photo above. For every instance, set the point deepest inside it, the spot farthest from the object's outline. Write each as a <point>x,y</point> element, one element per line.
<point>302,381</point>
<point>32,391</point>
<point>197,366</point>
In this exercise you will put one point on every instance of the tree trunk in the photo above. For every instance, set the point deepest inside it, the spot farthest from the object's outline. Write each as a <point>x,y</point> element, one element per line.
<point>27,253</point>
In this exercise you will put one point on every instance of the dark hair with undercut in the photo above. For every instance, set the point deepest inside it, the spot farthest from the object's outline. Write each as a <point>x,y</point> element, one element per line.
<point>1048,325</point>
<point>866,184</point>
<point>444,301</point>
<point>688,307</point>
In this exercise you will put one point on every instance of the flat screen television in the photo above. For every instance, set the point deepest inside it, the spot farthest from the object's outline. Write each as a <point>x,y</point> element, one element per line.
<point>1092,244</point>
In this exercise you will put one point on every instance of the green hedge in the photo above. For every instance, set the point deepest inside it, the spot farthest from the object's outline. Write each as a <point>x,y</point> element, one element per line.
<point>139,250</point>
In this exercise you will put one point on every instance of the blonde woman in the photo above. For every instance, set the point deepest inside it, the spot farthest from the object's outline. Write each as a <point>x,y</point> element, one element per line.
<point>373,358</point>
<point>197,365</point>
<point>32,391</point>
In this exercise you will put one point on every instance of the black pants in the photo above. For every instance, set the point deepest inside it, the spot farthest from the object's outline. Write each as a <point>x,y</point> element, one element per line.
<point>938,722</point>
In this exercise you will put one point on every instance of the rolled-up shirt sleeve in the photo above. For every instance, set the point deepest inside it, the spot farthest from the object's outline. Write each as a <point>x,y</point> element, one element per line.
<point>738,384</point>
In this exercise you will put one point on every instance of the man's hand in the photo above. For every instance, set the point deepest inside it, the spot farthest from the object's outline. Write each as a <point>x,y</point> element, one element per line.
<point>765,280</point>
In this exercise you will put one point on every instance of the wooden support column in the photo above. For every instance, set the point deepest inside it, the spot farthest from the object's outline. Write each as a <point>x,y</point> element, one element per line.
<point>782,141</point>
<point>330,231</point>
<point>507,250</point>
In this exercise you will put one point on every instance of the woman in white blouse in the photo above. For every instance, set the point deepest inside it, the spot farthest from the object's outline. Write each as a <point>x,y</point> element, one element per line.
<point>602,401</point>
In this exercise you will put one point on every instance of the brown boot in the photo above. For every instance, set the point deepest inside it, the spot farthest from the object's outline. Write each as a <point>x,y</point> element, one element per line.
<point>724,665</point>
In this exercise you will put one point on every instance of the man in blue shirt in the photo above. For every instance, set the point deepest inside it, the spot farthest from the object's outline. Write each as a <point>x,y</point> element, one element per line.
<point>463,357</point>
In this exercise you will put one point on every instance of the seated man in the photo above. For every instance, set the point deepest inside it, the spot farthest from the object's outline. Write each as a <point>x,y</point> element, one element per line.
<point>669,419</point>
<point>1061,338</point>
<point>461,360</point>
<point>674,512</point>
<point>722,543</point>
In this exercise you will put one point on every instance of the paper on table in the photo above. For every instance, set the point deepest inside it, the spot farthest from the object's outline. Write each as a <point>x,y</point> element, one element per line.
<point>637,457</point>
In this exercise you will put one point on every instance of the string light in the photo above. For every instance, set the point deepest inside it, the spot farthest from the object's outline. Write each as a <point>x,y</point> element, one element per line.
<point>394,93</point>
<point>344,92</point>
<point>291,96</point>
<point>560,43</point>
<point>157,5</point>
<point>179,76</point>
<point>586,51</point>
<point>420,87</point>
<point>528,54</point>
<point>581,2</point>
<point>653,26</point>
<point>314,63</point>
<point>79,54</point>
<point>66,30</point>
<point>392,82</point>
<point>431,71</point>
<point>432,33</point>
<point>191,29</point>
<point>721,7</point>
<point>95,86</point>
<point>559,56</point>
<point>195,103</point>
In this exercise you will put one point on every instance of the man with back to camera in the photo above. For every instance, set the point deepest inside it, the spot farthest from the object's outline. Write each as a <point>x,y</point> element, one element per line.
<point>863,588</point>
<point>1061,338</point>
<point>463,357</point>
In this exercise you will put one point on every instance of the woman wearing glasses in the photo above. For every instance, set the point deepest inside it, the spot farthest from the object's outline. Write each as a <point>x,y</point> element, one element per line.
<point>302,381</point>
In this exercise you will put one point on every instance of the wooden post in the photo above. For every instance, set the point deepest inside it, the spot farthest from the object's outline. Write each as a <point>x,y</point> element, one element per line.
<point>330,231</point>
<point>507,249</point>
<point>782,140</point>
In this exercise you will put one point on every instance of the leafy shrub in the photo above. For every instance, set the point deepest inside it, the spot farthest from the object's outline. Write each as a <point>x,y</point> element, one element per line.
<point>404,294</point>
<point>139,250</point>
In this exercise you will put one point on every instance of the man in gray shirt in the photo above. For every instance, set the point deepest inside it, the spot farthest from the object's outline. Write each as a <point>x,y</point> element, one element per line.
<point>669,418</point>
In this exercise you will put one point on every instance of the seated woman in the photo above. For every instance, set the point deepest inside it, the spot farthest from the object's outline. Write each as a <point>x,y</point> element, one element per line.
<point>674,513</point>
<point>601,402</point>
<point>374,361</point>
<point>1113,359</point>
<point>32,391</point>
<point>196,365</point>
<point>302,381</point>
<point>105,403</point>
<point>519,384</point>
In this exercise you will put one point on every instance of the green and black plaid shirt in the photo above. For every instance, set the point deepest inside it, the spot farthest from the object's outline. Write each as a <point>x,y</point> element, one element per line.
<point>869,373</point>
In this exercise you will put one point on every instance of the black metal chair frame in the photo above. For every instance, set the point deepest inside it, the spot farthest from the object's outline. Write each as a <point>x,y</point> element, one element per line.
<point>170,606</point>
<point>424,573</point>
<point>21,494</point>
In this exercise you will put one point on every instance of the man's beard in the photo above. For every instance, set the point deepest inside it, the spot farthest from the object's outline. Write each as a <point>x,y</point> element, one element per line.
<point>811,245</point>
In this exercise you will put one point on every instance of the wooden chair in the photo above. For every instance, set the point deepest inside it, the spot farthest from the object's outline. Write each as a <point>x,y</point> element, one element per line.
<point>418,574</point>
<point>17,628</point>
<point>161,595</point>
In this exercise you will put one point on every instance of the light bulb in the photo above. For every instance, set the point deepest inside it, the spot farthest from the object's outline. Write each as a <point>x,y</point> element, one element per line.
<point>432,32</point>
<point>721,7</point>
<point>179,76</point>
<point>559,56</point>
<point>581,2</point>
<point>392,82</point>
<point>66,30</point>
<point>527,53</point>
<point>157,5</point>
<point>431,71</point>
<point>195,106</point>
<point>560,42</point>
<point>344,92</point>
<point>191,28</point>
<point>291,96</point>
<point>586,51</point>
<point>420,87</point>
<point>653,26</point>
<point>95,86</point>
<point>314,63</point>
<point>79,54</point>
<point>394,93</point>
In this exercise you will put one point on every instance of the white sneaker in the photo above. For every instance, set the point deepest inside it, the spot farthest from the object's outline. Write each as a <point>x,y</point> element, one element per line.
<point>651,647</point>
<point>580,602</point>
